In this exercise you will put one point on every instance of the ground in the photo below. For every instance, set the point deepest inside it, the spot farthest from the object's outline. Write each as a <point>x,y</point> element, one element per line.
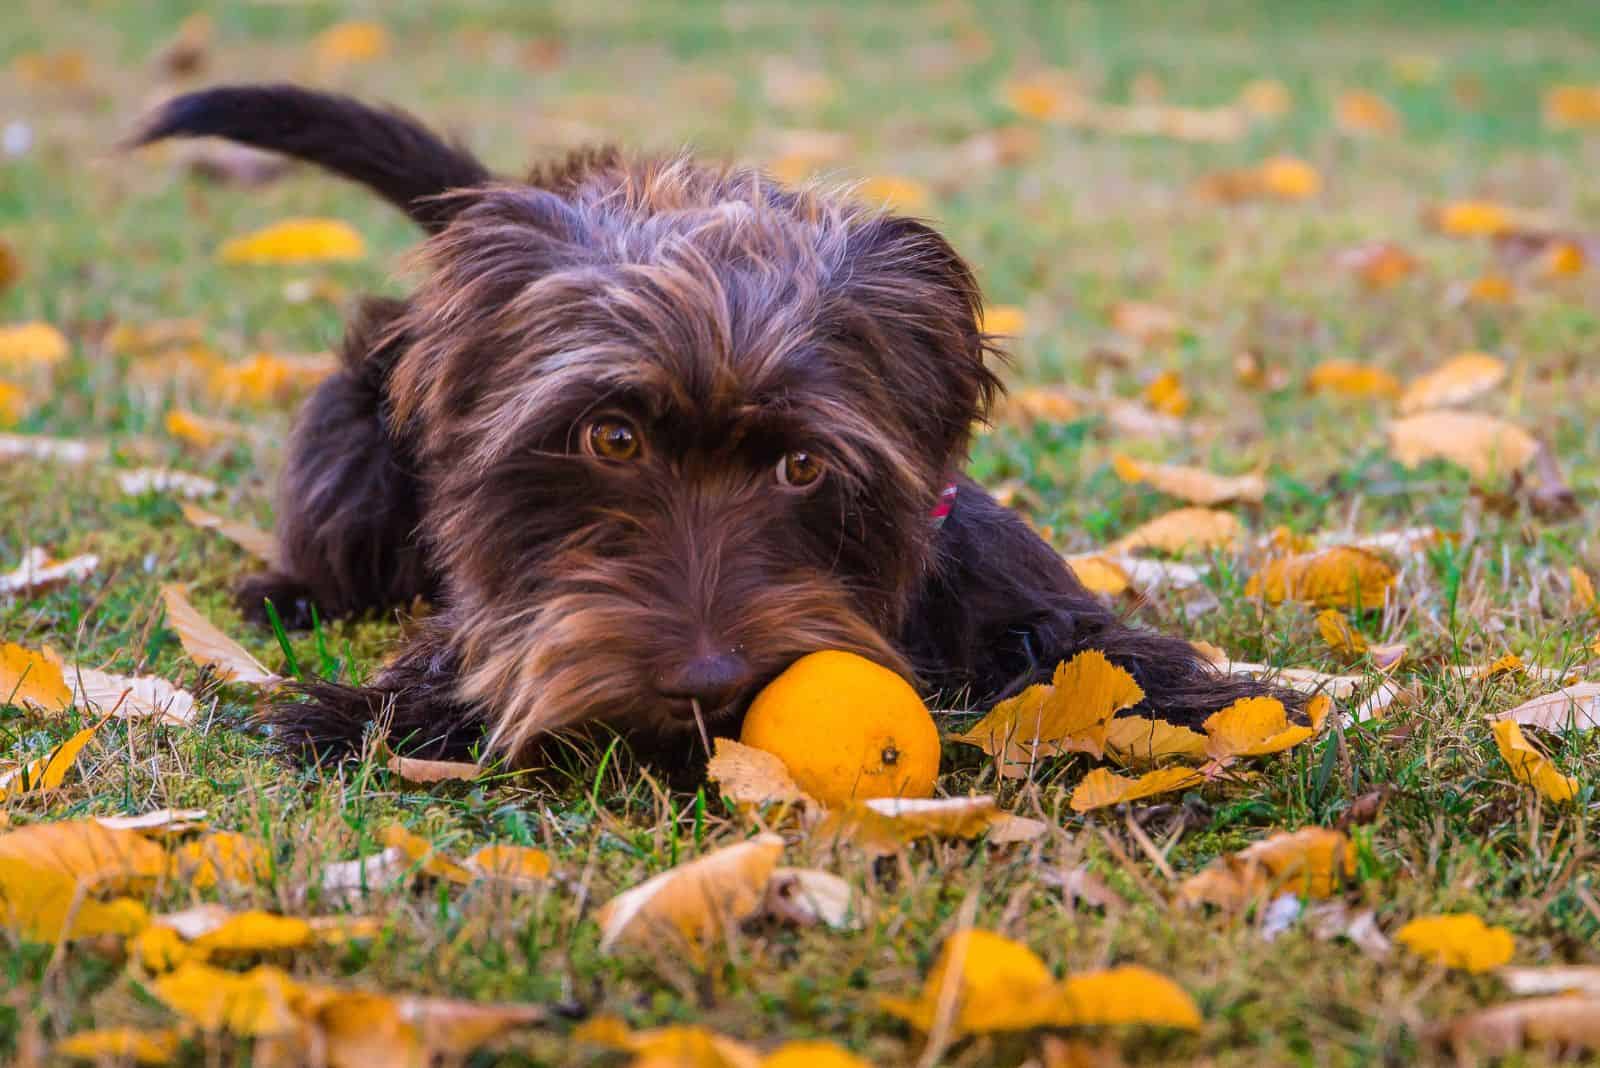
<point>1066,224</point>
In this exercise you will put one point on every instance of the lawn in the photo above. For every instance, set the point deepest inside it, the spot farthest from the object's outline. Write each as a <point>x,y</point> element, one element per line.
<point>1172,301</point>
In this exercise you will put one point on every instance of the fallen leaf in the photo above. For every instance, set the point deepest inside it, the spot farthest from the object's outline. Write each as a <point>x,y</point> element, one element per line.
<point>202,431</point>
<point>1378,264</point>
<point>1138,740</point>
<point>221,858</point>
<point>351,42</point>
<point>1038,404</point>
<point>1458,380</point>
<point>806,897</point>
<point>1313,862</point>
<point>1101,788</point>
<point>1351,379</point>
<point>44,904</point>
<point>1003,320</point>
<point>1553,979</point>
<point>189,49</point>
<point>1583,591</point>
<point>677,1046</point>
<point>1193,484</point>
<point>1146,323</point>
<point>1485,289</point>
<point>14,404</point>
<point>1336,919</point>
<point>258,1002</point>
<point>1362,112</point>
<point>296,241</point>
<point>165,480</point>
<point>67,68</point>
<point>885,825</point>
<point>747,775</point>
<point>347,879</point>
<point>1125,995</point>
<point>253,540</point>
<point>1069,715</point>
<point>1100,574</point>
<point>10,265</point>
<point>1575,707</point>
<point>1530,766</point>
<point>428,772</point>
<point>1256,726</point>
<point>159,821</point>
<point>1571,106</point>
<point>37,572</point>
<point>121,1045</point>
<point>1046,95</point>
<point>358,1028</point>
<point>55,450</point>
<point>1473,218</point>
<point>85,852</point>
<point>1340,577</point>
<point>423,855</point>
<point>1183,530</point>
<point>900,194</point>
<point>1458,940</point>
<point>265,378</point>
<point>24,346</point>
<point>207,645</point>
<point>129,696</point>
<point>1562,1022</point>
<point>509,865</point>
<point>1165,394</point>
<point>1289,178</point>
<point>986,982</point>
<point>254,932</point>
<point>693,904</point>
<point>48,772</point>
<point>812,1053</point>
<point>32,680</point>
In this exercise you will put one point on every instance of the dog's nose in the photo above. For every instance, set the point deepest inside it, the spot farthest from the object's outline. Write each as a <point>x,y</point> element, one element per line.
<point>713,679</point>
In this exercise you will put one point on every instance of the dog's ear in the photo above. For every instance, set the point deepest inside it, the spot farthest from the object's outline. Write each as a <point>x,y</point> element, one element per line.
<point>908,300</point>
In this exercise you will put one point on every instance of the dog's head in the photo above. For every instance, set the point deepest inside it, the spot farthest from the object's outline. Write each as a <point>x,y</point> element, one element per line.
<point>679,427</point>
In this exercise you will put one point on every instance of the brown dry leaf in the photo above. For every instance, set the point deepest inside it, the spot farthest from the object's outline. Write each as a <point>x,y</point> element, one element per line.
<point>32,680</point>
<point>1340,577</point>
<point>1575,707</point>
<point>1136,740</point>
<point>1350,379</point>
<point>747,775</point>
<point>201,431</point>
<point>1378,264</point>
<point>1561,1022</point>
<point>676,1046</point>
<point>1311,862</point>
<point>24,346</point>
<point>296,241</point>
<point>1583,590</point>
<point>1487,447</point>
<point>1071,715</point>
<point>887,825</point>
<point>693,904</point>
<point>10,265</point>
<point>806,897</point>
<point>189,49</point>
<point>1181,531</point>
<point>253,540</point>
<point>1336,919</point>
<point>157,821</point>
<point>1553,979</point>
<point>1146,323</point>
<point>1101,788</point>
<point>1193,484</point>
<point>48,772</point>
<point>509,865</point>
<point>423,856</point>
<point>1458,940</point>
<point>1361,112</point>
<point>85,852</point>
<point>351,42</point>
<point>38,572</point>
<point>428,772</point>
<point>258,1002</point>
<point>1529,765</point>
<point>127,696</point>
<point>1458,380</point>
<point>207,645</point>
<point>221,858</point>
<point>1038,404</point>
<point>121,1045</point>
<point>358,1028</point>
<point>1571,106</point>
<point>349,879</point>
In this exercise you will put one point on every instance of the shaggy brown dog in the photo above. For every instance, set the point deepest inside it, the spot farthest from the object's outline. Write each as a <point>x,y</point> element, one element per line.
<point>648,432</point>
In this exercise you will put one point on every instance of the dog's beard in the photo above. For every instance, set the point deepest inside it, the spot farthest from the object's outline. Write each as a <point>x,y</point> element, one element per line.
<point>591,645</point>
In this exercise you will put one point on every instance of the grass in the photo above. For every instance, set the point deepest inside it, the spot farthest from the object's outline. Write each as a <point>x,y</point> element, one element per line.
<point>1085,221</point>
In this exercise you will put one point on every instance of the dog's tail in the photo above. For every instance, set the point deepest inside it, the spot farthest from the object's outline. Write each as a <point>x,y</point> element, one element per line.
<point>387,151</point>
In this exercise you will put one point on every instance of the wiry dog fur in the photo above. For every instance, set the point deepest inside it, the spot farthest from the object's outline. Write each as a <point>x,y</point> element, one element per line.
<point>729,322</point>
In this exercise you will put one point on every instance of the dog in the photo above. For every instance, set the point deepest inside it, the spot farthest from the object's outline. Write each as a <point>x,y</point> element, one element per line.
<point>647,432</point>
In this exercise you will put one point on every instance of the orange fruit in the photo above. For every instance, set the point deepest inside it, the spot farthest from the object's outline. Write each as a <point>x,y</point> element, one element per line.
<point>847,729</point>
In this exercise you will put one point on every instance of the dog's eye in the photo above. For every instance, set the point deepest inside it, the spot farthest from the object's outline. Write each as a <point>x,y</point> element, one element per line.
<point>612,439</point>
<point>797,470</point>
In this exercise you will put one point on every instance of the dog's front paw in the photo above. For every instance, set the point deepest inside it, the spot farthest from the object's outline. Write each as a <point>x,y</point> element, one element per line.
<point>290,598</point>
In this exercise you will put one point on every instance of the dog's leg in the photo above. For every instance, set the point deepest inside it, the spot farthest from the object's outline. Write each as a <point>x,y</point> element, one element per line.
<point>347,504</point>
<point>1002,609</point>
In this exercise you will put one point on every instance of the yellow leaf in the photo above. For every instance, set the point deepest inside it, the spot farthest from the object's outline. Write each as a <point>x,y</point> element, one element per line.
<point>1351,379</point>
<point>678,1046</point>
<point>1458,940</point>
<point>812,1053</point>
<point>1184,530</point>
<point>1338,633</point>
<point>351,42</point>
<point>1572,106</point>
<point>509,865</point>
<point>905,195</point>
<point>1069,715</point>
<point>1582,590</point>
<point>201,431</point>
<point>1004,320</point>
<point>255,932</point>
<point>1266,98</point>
<point>1038,405</point>
<point>143,339</point>
<point>46,903</point>
<point>1529,765</point>
<point>693,904</point>
<point>46,773</point>
<point>1166,394</point>
<point>1490,289</point>
<point>258,1002</point>
<point>1252,726</point>
<point>86,852</point>
<point>28,345</point>
<point>1138,740</point>
<point>1312,862</point>
<point>265,377</point>
<point>1048,96</point>
<point>1100,574</point>
<point>1339,577</point>
<point>989,982</point>
<point>358,1028</point>
<point>1487,447</point>
<point>252,540</point>
<point>64,69</point>
<point>1458,380</point>
<point>422,854</point>
<point>747,775</point>
<point>224,858</point>
<point>1144,322</point>
<point>14,404</point>
<point>207,645</point>
<point>31,680</point>
<point>296,241</point>
<point>1379,264</point>
<point>1473,218</point>
<point>1193,484</point>
<point>1101,787</point>
<point>1288,178</point>
<point>121,1045</point>
<point>1126,995</point>
<point>884,825</point>
<point>1563,259</point>
<point>1359,111</point>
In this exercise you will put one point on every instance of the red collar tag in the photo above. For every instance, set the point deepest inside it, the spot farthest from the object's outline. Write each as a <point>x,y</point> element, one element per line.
<point>941,511</point>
